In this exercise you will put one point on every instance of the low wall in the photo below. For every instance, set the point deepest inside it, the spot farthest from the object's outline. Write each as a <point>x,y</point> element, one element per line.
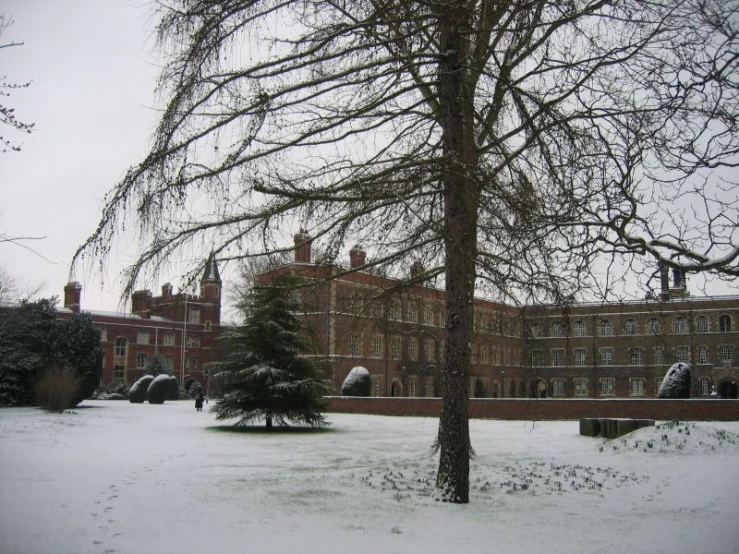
<point>549,408</point>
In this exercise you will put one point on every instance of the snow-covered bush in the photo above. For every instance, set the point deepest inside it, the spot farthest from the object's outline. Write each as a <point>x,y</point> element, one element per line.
<point>676,383</point>
<point>357,383</point>
<point>173,388</point>
<point>137,392</point>
<point>158,389</point>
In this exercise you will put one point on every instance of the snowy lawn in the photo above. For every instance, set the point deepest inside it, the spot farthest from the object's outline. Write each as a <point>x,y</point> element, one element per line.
<point>114,477</point>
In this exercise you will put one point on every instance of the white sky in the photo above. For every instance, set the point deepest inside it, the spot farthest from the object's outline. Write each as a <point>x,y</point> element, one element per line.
<point>94,67</point>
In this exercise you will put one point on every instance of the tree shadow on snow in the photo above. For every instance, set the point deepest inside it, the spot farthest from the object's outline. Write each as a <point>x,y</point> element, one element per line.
<point>276,430</point>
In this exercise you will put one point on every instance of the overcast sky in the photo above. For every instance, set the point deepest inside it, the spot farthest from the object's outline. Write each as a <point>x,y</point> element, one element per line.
<point>93,69</point>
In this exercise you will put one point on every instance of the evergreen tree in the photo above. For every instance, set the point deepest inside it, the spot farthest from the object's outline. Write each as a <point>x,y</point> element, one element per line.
<point>264,376</point>
<point>77,345</point>
<point>156,366</point>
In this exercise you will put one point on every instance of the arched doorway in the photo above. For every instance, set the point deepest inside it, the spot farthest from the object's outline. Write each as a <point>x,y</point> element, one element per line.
<point>538,389</point>
<point>396,389</point>
<point>727,389</point>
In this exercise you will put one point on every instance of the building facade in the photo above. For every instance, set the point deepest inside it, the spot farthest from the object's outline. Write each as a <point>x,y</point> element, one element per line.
<point>181,328</point>
<point>397,332</point>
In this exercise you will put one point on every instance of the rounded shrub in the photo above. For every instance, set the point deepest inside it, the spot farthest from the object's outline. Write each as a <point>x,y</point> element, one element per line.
<point>158,390</point>
<point>173,388</point>
<point>357,383</point>
<point>137,392</point>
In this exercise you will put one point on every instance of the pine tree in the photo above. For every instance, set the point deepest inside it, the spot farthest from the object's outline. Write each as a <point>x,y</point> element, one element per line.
<point>264,375</point>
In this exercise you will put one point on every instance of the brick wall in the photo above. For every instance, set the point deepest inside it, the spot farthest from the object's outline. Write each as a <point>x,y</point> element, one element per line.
<point>533,409</point>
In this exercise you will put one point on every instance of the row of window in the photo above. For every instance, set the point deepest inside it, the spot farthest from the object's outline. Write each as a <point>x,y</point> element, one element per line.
<point>433,350</point>
<point>724,352</point>
<point>168,339</point>
<point>191,363</point>
<point>680,326</point>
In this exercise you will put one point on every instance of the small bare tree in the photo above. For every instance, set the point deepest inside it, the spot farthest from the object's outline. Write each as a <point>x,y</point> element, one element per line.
<point>514,144</point>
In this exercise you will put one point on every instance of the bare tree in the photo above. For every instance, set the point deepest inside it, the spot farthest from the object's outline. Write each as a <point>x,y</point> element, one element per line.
<point>7,114</point>
<point>514,144</point>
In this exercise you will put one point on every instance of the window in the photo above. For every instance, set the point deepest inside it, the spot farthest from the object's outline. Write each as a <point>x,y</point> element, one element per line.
<point>168,339</point>
<point>636,387</point>
<point>659,356</point>
<point>141,360</point>
<point>441,317</point>
<point>558,357</point>
<point>429,350</point>
<point>726,353</point>
<point>428,315</point>
<point>412,312</point>
<point>606,356</point>
<point>208,325</point>
<point>605,329</point>
<point>636,356</point>
<point>682,354</point>
<point>724,324</point>
<point>705,386</point>
<point>194,315</point>
<point>119,372</point>
<point>630,327</point>
<point>607,387</point>
<point>657,385</point>
<point>376,346</point>
<point>430,393</point>
<point>536,357</point>
<point>701,324</point>
<point>413,349</point>
<point>120,347</point>
<point>680,326</point>
<point>496,355</point>
<point>142,337</point>
<point>557,330</point>
<point>103,334</point>
<point>558,387</point>
<point>412,385</point>
<point>535,329</point>
<point>169,363</point>
<point>579,329</point>
<point>702,354</point>
<point>484,355</point>
<point>395,348</point>
<point>581,387</point>
<point>192,341</point>
<point>355,345</point>
<point>655,326</point>
<point>376,381</point>
<point>192,363</point>
<point>394,311</point>
<point>581,356</point>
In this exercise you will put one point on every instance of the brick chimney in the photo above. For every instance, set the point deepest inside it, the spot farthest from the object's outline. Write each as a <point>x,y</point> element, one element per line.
<point>166,291</point>
<point>72,296</point>
<point>664,282</point>
<point>141,303</point>
<point>302,246</point>
<point>357,257</point>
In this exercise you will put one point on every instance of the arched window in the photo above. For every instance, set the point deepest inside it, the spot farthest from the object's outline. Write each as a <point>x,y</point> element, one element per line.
<point>535,329</point>
<point>605,329</point>
<point>428,315</point>
<point>557,329</point>
<point>701,324</point>
<point>724,324</point>
<point>655,326</point>
<point>680,326</point>
<point>631,327</point>
<point>579,329</point>
<point>120,347</point>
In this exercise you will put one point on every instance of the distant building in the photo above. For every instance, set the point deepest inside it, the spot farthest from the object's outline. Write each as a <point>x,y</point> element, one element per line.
<point>182,328</point>
<point>356,318</point>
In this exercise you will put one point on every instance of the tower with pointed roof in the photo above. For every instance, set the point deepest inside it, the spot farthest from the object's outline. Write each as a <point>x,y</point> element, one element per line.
<point>210,292</point>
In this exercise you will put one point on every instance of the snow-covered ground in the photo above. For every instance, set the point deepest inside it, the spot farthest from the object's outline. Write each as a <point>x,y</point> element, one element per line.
<point>114,477</point>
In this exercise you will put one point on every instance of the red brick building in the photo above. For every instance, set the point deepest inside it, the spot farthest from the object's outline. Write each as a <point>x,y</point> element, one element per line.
<point>356,318</point>
<point>182,328</point>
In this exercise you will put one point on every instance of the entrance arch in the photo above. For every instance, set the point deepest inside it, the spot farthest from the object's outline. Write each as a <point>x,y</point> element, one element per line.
<point>538,389</point>
<point>727,389</point>
<point>396,389</point>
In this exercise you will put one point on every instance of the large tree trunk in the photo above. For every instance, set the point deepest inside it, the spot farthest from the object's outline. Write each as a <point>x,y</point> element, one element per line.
<point>461,198</point>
